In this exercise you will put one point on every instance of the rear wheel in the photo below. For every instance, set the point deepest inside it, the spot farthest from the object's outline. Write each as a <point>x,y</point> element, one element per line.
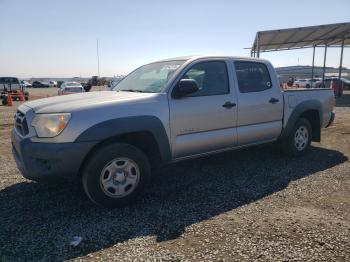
<point>115,175</point>
<point>4,101</point>
<point>299,140</point>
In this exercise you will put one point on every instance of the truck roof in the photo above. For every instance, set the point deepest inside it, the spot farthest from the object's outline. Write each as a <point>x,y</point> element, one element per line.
<point>195,57</point>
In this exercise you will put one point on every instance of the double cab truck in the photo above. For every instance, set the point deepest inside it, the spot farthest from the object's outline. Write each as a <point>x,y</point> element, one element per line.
<point>164,112</point>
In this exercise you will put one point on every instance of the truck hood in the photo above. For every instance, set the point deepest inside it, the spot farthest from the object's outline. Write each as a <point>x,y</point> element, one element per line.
<point>74,102</point>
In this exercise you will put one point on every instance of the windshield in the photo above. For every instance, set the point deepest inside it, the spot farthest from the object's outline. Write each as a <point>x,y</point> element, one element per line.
<point>73,85</point>
<point>8,80</point>
<point>149,78</point>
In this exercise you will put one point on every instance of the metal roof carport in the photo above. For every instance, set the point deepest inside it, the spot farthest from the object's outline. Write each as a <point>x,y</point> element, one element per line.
<point>331,35</point>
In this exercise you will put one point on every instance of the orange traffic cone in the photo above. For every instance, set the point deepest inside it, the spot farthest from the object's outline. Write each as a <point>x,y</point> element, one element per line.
<point>9,100</point>
<point>21,97</point>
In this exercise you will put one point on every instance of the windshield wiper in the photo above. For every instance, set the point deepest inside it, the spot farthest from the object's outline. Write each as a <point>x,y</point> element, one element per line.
<point>132,90</point>
<point>136,90</point>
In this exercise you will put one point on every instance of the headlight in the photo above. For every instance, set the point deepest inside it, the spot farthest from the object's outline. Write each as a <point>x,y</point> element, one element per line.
<point>50,125</point>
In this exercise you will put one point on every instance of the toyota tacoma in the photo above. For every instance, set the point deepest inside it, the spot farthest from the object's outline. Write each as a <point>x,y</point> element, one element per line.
<point>164,112</point>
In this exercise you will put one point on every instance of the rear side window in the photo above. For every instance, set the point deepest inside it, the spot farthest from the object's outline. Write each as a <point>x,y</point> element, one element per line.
<point>211,78</point>
<point>252,76</point>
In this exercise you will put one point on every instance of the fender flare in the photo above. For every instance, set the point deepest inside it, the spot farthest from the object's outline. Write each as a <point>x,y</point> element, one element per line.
<point>298,111</point>
<point>125,125</point>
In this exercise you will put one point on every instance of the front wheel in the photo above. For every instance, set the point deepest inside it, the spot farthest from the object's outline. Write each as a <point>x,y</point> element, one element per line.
<point>115,175</point>
<point>299,140</point>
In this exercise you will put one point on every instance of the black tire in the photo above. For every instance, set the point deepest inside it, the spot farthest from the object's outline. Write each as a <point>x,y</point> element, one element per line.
<point>307,86</point>
<point>4,101</point>
<point>289,144</point>
<point>92,174</point>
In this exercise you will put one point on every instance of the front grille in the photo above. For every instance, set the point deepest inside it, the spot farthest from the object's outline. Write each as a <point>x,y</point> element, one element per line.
<point>21,123</point>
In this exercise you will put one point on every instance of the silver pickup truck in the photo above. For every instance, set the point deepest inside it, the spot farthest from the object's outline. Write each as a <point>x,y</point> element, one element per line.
<point>160,113</point>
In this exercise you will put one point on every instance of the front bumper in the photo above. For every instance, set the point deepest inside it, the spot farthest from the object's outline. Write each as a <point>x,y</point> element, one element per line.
<point>39,161</point>
<point>331,120</point>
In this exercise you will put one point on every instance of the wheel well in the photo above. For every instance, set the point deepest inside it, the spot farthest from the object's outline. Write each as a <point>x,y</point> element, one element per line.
<point>143,140</point>
<point>314,118</point>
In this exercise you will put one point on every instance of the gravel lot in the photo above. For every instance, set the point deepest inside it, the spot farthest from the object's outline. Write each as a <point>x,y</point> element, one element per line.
<point>252,204</point>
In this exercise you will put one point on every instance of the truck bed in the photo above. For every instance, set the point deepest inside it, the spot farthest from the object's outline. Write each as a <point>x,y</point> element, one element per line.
<point>297,96</point>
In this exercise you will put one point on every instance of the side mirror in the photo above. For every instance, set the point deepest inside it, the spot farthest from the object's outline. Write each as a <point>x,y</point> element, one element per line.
<point>185,87</point>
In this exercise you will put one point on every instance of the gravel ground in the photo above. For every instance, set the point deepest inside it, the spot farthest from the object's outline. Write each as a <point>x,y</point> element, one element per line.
<point>246,205</point>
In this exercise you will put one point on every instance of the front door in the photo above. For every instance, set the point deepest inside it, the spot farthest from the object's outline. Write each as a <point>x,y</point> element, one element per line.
<point>204,121</point>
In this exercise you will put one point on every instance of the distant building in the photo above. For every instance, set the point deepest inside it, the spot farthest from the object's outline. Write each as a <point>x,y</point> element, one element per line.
<point>305,72</point>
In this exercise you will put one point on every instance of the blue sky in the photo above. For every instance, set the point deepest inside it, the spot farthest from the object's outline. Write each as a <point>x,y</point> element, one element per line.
<point>58,38</point>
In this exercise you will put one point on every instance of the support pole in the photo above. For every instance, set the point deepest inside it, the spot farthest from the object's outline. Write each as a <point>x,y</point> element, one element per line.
<point>313,65</point>
<point>324,64</point>
<point>341,60</point>
<point>258,44</point>
<point>98,59</point>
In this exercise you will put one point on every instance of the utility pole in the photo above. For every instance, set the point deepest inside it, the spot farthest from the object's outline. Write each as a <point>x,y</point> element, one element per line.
<point>341,59</point>
<point>98,59</point>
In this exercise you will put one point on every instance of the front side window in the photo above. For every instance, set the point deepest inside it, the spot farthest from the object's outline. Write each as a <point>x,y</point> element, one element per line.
<point>252,76</point>
<point>150,78</point>
<point>211,78</point>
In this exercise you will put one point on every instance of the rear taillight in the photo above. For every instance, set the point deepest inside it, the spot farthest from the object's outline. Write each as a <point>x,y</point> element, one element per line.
<point>332,102</point>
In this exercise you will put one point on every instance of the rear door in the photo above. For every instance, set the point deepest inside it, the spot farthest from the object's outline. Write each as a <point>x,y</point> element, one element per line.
<point>260,102</point>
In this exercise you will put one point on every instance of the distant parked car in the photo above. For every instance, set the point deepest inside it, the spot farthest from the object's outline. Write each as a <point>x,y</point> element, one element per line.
<point>346,83</point>
<point>37,84</point>
<point>333,82</point>
<point>59,83</point>
<point>25,84</point>
<point>325,84</point>
<point>70,88</point>
<point>314,81</point>
<point>53,83</point>
<point>304,83</point>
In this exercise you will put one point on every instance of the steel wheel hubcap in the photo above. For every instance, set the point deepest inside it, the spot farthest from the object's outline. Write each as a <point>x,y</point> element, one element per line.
<point>119,177</point>
<point>301,138</point>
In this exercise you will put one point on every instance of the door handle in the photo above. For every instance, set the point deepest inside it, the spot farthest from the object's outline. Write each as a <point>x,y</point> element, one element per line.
<point>229,105</point>
<point>273,100</point>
